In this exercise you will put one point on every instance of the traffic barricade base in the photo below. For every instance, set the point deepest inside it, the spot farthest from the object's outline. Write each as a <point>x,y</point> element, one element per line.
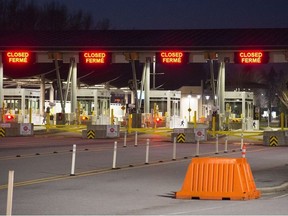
<point>218,179</point>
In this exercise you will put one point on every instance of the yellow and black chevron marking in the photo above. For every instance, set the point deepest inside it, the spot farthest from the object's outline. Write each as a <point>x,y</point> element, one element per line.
<point>273,141</point>
<point>181,138</point>
<point>91,134</point>
<point>2,132</point>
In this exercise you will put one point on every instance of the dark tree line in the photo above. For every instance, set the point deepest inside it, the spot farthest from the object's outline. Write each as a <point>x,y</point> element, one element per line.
<point>28,15</point>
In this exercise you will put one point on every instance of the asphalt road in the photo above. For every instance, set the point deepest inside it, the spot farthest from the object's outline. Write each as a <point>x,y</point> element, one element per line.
<point>43,184</point>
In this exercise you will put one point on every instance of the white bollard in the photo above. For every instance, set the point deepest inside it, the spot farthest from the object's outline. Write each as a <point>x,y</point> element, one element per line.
<point>174,149</point>
<point>136,139</point>
<point>197,148</point>
<point>217,143</point>
<point>125,139</point>
<point>147,152</point>
<point>114,155</point>
<point>244,151</point>
<point>10,192</point>
<point>226,144</point>
<point>73,161</point>
<point>242,141</point>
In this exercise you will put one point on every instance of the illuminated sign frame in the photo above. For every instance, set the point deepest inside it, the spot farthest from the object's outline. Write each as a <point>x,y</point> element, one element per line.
<point>251,57</point>
<point>94,57</point>
<point>18,57</point>
<point>172,57</point>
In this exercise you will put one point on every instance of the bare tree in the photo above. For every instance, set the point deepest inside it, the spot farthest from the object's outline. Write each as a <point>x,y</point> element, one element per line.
<point>53,17</point>
<point>103,24</point>
<point>20,15</point>
<point>282,90</point>
<point>80,20</point>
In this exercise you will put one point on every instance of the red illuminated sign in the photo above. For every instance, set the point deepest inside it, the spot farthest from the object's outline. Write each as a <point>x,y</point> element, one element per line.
<point>21,57</point>
<point>251,57</point>
<point>94,57</point>
<point>172,57</point>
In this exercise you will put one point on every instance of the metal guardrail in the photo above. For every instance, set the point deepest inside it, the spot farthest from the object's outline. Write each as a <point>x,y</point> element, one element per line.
<point>70,128</point>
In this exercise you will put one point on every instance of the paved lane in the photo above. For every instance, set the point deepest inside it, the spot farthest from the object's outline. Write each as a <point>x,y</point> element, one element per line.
<point>43,184</point>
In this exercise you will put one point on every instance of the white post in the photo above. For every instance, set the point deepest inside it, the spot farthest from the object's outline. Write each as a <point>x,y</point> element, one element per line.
<point>114,155</point>
<point>197,148</point>
<point>241,141</point>
<point>174,148</point>
<point>147,152</point>
<point>226,144</point>
<point>10,193</point>
<point>217,142</point>
<point>73,161</point>
<point>125,139</point>
<point>244,151</point>
<point>136,139</point>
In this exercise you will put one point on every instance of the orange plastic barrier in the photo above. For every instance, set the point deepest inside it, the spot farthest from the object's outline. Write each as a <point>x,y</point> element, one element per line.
<point>218,178</point>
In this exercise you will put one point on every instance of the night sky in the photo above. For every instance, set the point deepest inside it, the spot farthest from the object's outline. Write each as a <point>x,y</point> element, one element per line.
<point>181,14</point>
<point>185,14</point>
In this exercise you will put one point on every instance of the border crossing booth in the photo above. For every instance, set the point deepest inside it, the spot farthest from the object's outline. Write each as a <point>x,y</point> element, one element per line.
<point>23,105</point>
<point>94,106</point>
<point>239,108</point>
<point>165,108</point>
<point>191,106</point>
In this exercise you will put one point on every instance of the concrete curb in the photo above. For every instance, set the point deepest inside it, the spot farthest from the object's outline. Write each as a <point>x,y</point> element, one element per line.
<point>274,189</point>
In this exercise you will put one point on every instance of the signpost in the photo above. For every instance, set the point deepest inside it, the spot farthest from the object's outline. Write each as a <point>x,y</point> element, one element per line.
<point>112,131</point>
<point>25,129</point>
<point>199,133</point>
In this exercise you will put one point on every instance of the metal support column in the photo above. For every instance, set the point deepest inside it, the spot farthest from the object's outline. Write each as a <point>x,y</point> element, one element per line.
<point>200,102</point>
<point>59,85</point>
<point>42,95</point>
<point>243,116</point>
<point>135,86</point>
<point>221,88</point>
<point>168,119</point>
<point>147,86</point>
<point>169,103</point>
<point>69,80</point>
<point>142,86</point>
<point>132,97</point>
<point>221,92</point>
<point>154,72</point>
<point>24,112</point>
<point>51,93</point>
<point>1,88</point>
<point>212,80</point>
<point>74,88</point>
<point>126,98</point>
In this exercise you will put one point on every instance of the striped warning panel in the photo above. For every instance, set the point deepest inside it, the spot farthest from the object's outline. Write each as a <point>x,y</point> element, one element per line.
<point>91,134</point>
<point>273,141</point>
<point>181,138</point>
<point>2,132</point>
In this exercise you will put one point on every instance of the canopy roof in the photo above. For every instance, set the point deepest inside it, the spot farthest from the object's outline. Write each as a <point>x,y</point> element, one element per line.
<point>118,74</point>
